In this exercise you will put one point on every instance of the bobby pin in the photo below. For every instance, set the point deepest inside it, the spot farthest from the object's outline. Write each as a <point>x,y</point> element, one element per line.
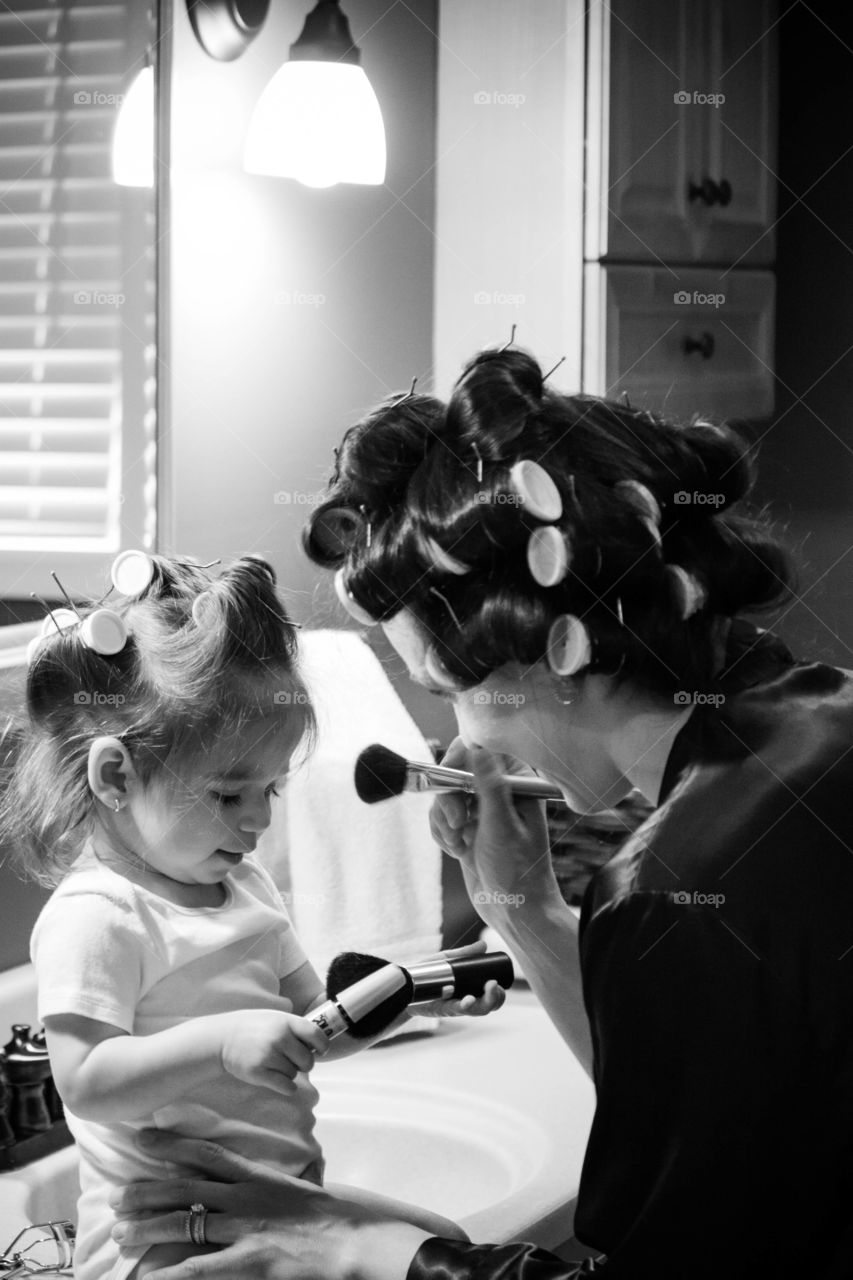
<point>554,370</point>
<point>48,610</point>
<point>406,396</point>
<point>477,454</point>
<point>65,593</point>
<point>363,509</point>
<point>448,606</point>
<point>619,611</point>
<point>508,344</point>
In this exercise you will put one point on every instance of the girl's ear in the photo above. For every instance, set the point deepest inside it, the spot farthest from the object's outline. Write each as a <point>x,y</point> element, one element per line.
<point>110,771</point>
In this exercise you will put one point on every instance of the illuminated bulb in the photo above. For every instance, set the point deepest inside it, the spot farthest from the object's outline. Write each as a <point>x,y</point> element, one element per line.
<point>318,122</point>
<point>133,139</point>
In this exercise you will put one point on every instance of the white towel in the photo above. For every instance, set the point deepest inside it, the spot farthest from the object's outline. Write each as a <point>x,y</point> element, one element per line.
<point>356,877</point>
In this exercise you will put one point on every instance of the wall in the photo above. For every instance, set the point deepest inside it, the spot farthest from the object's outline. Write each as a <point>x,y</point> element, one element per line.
<point>806,459</point>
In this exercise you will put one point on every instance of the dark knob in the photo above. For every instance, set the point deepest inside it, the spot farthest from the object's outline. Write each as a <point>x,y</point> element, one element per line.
<point>704,345</point>
<point>710,192</point>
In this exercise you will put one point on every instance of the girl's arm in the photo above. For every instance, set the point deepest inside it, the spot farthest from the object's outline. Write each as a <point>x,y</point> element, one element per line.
<point>104,1074</point>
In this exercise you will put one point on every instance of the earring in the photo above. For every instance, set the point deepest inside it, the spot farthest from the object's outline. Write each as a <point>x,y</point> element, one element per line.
<point>117,804</point>
<point>565,702</point>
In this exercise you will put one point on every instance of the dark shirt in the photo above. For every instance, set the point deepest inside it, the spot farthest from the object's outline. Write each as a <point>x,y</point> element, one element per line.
<point>717,961</point>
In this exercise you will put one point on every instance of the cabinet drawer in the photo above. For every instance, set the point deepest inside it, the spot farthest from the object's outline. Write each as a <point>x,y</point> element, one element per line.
<point>681,342</point>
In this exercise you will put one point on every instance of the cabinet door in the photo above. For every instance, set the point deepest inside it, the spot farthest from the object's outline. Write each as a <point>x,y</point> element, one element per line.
<point>682,107</point>
<point>741,133</point>
<point>692,342</point>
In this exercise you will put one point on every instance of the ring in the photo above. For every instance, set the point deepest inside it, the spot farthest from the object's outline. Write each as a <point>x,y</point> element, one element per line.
<point>195,1224</point>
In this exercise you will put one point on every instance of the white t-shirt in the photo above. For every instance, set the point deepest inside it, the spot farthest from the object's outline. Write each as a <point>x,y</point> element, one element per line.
<point>108,949</point>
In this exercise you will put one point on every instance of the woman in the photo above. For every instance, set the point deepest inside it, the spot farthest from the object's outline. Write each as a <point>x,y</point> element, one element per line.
<point>570,573</point>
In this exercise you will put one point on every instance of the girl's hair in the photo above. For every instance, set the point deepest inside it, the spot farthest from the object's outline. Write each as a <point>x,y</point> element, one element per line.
<point>412,466</point>
<point>183,683</point>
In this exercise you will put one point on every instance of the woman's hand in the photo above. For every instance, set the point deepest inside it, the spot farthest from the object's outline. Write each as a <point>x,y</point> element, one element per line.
<point>500,840</point>
<point>468,1006</point>
<point>269,1048</point>
<point>273,1227</point>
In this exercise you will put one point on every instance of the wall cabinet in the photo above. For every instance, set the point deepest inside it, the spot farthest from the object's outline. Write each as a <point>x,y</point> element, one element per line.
<point>681,200</point>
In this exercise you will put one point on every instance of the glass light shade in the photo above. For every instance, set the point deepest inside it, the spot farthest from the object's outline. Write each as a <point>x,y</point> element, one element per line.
<point>133,139</point>
<point>318,122</point>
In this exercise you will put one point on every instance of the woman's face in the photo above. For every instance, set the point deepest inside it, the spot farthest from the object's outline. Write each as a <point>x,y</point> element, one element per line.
<point>518,712</point>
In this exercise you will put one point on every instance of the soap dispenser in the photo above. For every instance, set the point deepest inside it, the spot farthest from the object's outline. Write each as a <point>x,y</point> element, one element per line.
<point>27,1070</point>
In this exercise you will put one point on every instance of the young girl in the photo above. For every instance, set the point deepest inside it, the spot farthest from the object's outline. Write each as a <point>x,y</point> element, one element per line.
<point>171,984</point>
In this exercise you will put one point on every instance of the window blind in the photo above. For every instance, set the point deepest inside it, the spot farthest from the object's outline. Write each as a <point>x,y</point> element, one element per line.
<point>62,303</point>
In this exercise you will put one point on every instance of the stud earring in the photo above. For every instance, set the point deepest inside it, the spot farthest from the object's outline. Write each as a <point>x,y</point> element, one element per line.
<point>117,804</point>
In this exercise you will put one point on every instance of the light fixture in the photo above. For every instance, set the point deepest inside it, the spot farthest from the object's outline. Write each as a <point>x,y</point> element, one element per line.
<point>226,28</point>
<point>133,137</point>
<point>318,119</point>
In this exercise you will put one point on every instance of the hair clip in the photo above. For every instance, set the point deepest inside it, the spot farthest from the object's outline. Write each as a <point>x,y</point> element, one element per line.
<point>539,494</point>
<point>201,609</point>
<point>689,590</point>
<point>448,606</point>
<point>548,555</point>
<point>363,510</point>
<point>508,344</point>
<point>104,631</point>
<point>441,559</point>
<point>133,572</point>
<point>644,503</point>
<point>547,375</point>
<point>353,608</point>
<point>619,611</point>
<point>437,671</point>
<point>477,453</point>
<point>626,402</point>
<point>569,645</point>
<point>336,529</point>
<point>58,620</point>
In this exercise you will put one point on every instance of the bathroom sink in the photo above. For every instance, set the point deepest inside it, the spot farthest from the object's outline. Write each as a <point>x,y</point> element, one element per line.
<point>484,1122</point>
<point>444,1150</point>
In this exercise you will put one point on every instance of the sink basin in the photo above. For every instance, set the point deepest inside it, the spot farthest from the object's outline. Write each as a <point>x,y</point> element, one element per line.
<point>454,1153</point>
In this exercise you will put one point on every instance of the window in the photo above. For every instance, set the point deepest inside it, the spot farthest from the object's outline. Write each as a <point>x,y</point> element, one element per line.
<point>77,299</point>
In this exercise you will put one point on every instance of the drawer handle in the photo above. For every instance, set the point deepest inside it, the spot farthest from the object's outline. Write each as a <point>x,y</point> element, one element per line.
<point>710,192</point>
<point>704,345</point>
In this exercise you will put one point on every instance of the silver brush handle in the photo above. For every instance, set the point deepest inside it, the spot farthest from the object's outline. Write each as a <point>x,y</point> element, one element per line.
<point>437,777</point>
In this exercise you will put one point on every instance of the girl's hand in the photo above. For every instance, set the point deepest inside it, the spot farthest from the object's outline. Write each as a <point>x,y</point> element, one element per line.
<point>268,1048</point>
<point>500,840</point>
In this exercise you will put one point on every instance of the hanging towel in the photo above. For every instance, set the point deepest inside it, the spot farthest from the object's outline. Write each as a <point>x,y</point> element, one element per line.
<point>355,877</point>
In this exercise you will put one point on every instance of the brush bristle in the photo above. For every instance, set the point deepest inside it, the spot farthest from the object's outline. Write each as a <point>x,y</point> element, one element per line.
<point>379,774</point>
<point>350,967</point>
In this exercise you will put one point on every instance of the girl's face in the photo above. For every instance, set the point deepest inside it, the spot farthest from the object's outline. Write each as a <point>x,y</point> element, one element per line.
<point>195,826</point>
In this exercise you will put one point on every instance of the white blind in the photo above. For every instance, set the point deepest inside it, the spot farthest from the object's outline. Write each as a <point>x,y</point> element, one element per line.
<point>62,302</point>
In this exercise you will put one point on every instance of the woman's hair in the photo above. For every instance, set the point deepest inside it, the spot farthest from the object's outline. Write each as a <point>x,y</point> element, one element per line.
<point>411,467</point>
<point>185,681</point>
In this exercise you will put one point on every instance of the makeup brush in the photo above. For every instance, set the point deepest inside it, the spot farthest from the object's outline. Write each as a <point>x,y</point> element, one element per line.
<point>380,774</point>
<point>425,981</point>
<point>351,1006</point>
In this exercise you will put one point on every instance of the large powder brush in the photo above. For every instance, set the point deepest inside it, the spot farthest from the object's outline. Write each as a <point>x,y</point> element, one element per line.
<point>381,774</point>
<point>425,982</point>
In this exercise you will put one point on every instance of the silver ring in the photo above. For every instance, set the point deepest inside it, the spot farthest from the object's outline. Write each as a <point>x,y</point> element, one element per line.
<point>195,1224</point>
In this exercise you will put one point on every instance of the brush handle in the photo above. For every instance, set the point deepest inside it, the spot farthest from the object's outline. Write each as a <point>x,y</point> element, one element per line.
<point>467,976</point>
<point>438,777</point>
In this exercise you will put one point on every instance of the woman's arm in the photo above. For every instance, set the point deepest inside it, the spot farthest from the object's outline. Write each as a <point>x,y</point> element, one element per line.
<point>275,1227</point>
<point>502,844</point>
